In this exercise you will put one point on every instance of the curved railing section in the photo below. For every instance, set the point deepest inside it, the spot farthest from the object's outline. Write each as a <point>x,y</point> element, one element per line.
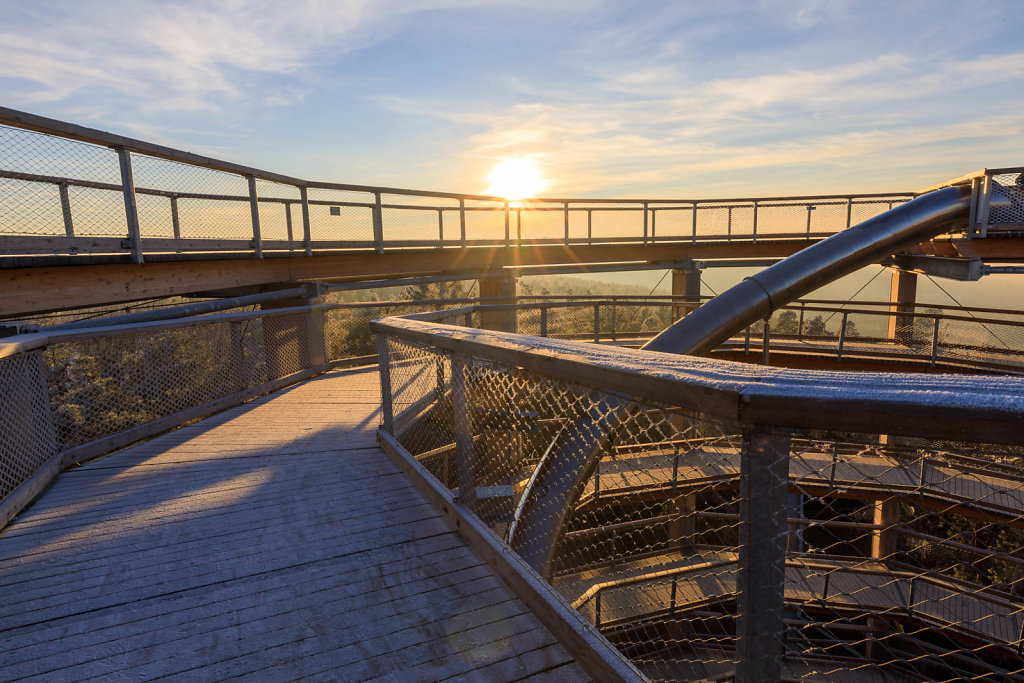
<point>739,518</point>
<point>75,191</point>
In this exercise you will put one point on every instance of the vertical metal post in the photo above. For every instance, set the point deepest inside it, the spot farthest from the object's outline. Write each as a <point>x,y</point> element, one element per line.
<point>800,324</point>
<point>597,608</point>
<point>238,363</point>
<point>544,321</point>
<point>654,224</point>
<point>842,336</point>
<point>440,228</point>
<point>765,340</point>
<point>462,222</point>
<point>763,535</point>
<point>508,239</point>
<point>754,235</point>
<point>746,341</point>
<point>935,342</point>
<point>307,235</point>
<point>728,227</point>
<point>566,211</point>
<point>386,398</point>
<point>614,322</point>
<point>810,208</point>
<point>972,219</point>
<point>465,462</point>
<point>849,212</point>
<point>378,224</point>
<point>590,227</point>
<point>65,210</point>
<point>175,221</point>
<point>519,225</point>
<point>645,224</point>
<point>983,209</point>
<point>254,210</point>
<point>131,209</point>
<point>597,323</point>
<point>693,231</point>
<point>288,223</point>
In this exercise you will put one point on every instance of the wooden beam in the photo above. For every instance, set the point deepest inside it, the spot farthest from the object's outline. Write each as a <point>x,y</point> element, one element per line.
<point>27,290</point>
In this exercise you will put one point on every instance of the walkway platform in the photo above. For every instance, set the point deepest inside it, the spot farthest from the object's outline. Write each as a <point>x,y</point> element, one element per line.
<point>272,541</point>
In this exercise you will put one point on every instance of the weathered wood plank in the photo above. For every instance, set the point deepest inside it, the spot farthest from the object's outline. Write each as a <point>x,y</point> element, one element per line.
<point>231,544</point>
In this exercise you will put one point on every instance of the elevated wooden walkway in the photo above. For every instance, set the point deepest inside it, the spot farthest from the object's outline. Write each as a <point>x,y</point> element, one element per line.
<point>273,541</point>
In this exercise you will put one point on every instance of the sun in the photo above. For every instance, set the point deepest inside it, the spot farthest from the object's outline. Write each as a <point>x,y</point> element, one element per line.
<point>516,178</point>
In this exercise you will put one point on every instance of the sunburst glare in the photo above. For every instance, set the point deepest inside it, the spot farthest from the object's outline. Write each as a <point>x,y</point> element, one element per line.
<point>516,178</point>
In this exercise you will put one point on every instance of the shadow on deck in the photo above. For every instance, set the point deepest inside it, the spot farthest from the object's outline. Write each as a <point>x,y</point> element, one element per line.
<point>274,540</point>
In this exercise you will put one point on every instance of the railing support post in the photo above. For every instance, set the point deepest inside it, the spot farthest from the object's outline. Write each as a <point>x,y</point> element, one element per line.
<point>842,336</point>
<point>508,236</point>
<point>440,228</point>
<point>307,237</point>
<point>645,224</point>
<point>763,535</point>
<point>766,341</point>
<point>131,209</point>
<point>565,210</point>
<point>462,222</point>
<point>378,224</point>
<point>175,220</point>
<point>387,411</point>
<point>288,223</point>
<point>65,210</point>
<point>597,323</point>
<point>254,210</point>
<point>462,405</point>
<point>544,321</point>
<point>935,342</point>
<point>754,231</point>
<point>693,232</point>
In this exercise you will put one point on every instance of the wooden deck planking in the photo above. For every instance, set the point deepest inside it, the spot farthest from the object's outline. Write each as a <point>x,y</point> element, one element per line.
<point>272,541</point>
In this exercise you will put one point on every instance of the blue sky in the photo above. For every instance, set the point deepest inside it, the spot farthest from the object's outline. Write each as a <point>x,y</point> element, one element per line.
<point>609,98</point>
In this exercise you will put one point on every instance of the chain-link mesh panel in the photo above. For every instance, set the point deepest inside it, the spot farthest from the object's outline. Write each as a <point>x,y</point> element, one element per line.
<point>609,221</point>
<point>341,215</point>
<point>485,220</point>
<point>410,218</point>
<point>1011,214</point>
<point>907,560</point>
<point>209,204</point>
<point>699,548</point>
<point>26,425</point>
<point>674,223</point>
<point>103,386</point>
<point>280,213</point>
<point>82,198</point>
<point>641,537</point>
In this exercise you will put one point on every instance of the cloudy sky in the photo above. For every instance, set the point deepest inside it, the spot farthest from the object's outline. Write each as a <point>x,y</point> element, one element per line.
<point>607,97</point>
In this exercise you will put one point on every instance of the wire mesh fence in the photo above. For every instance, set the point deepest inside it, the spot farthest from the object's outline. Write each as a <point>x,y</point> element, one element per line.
<point>87,198</point>
<point>706,548</point>
<point>73,395</point>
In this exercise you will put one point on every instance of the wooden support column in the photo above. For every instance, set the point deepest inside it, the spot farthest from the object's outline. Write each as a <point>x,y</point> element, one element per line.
<point>685,284</point>
<point>902,295</point>
<point>883,541</point>
<point>500,288</point>
<point>294,342</point>
<point>883,545</point>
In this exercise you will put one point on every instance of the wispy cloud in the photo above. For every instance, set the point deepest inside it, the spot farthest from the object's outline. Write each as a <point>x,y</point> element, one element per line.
<point>186,56</point>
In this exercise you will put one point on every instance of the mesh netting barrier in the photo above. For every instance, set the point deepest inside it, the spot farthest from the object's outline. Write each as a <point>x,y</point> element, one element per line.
<point>704,546</point>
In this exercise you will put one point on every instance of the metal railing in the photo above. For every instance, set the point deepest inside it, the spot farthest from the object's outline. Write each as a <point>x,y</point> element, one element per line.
<point>718,520</point>
<point>71,190</point>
